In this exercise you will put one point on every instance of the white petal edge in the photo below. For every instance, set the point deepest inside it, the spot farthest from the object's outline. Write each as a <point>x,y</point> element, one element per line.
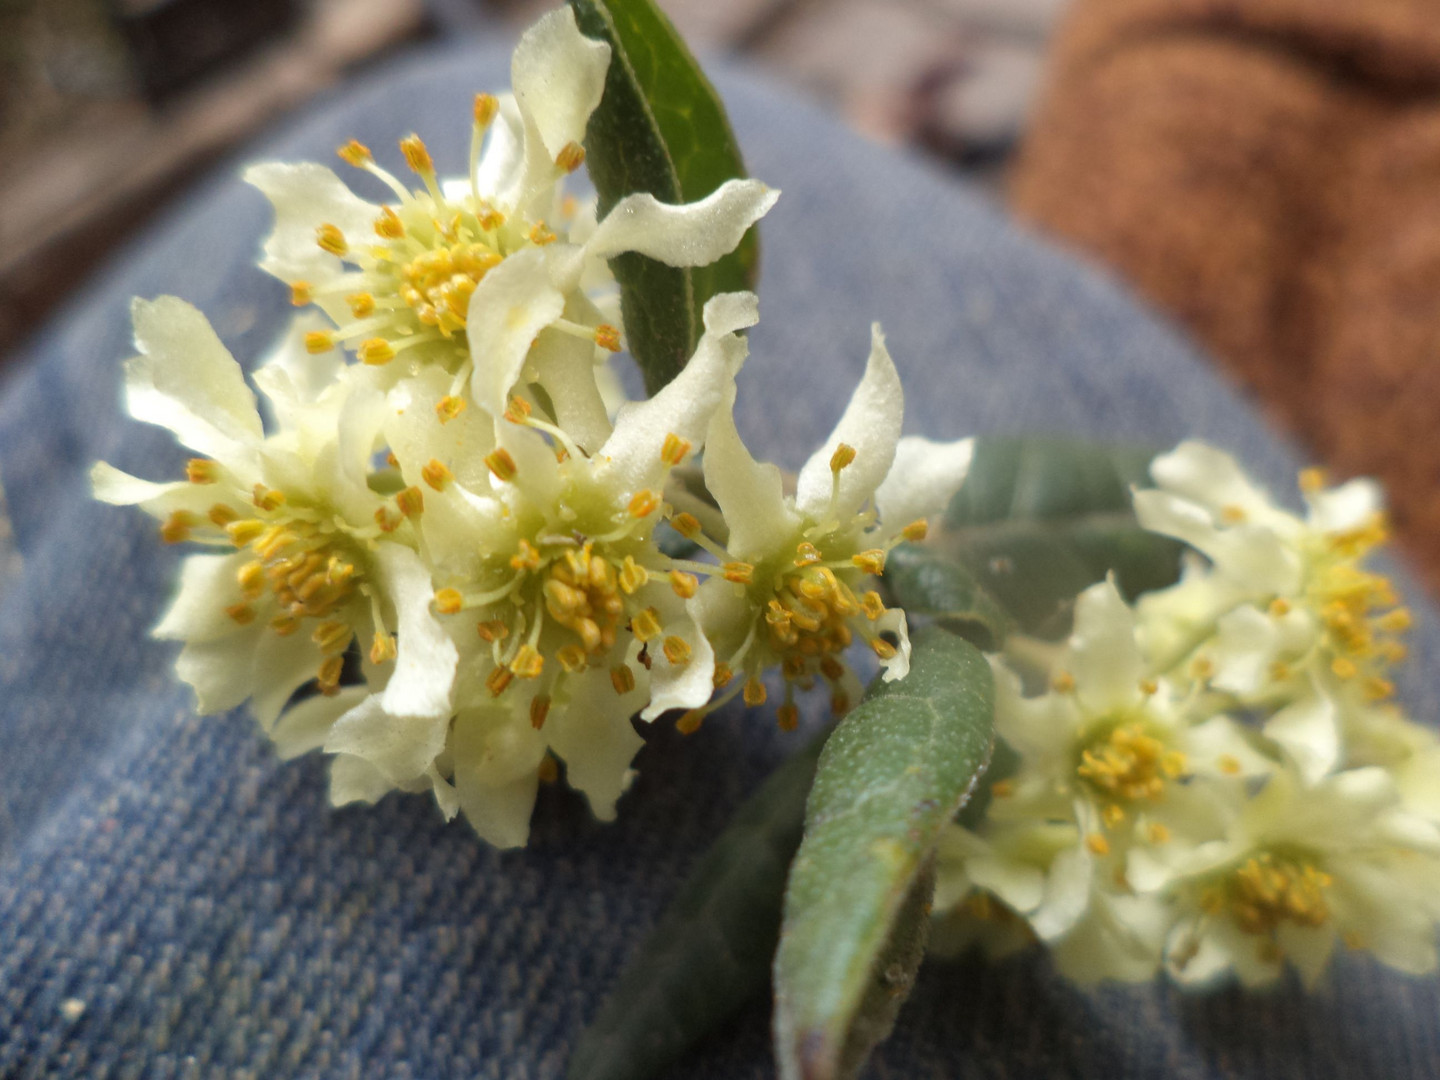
<point>695,234</point>
<point>922,480</point>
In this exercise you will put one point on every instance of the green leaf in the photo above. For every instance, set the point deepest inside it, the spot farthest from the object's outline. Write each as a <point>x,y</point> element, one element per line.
<point>712,949</point>
<point>923,581</point>
<point>894,772</point>
<point>1040,519</point>
<point>660,128</point>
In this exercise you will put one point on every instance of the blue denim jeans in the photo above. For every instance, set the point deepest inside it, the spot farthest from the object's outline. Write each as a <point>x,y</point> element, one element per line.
<point>174,902</point>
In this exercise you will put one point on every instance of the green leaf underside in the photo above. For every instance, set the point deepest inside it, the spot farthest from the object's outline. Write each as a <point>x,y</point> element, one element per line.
<point>712,949</point>
<point>1040,519</point>
<point>660,128</point>
<point>894,772</point>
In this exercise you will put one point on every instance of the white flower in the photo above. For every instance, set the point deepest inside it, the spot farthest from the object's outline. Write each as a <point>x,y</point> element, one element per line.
<point>484,275</point>
<point>308,557</point>
<point>791,583</point>
<point>1300,869</point>
<point>568,618</point>
<point>1285,620</point>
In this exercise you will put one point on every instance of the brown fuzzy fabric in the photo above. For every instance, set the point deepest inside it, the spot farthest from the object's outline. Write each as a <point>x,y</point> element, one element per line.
<point>1269,172</point>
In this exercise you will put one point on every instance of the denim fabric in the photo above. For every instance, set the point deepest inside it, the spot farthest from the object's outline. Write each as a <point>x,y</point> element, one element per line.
<point>176,903</point>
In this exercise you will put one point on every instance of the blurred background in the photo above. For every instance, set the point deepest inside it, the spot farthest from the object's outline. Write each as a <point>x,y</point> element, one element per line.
<point>1266,172</point>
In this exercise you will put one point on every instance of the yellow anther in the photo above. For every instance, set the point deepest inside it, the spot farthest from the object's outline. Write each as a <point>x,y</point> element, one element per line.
<point>883,649</point>
<point>284,625</point>
<point>677,650</point>
<point>389,225</point>
<point>411,502</point>
<point>1157,833</point>
<point>328,677</point>
<point>570,158</point>
<point>608,337</point>
<point>416,156</point>
<point>498,680</point>
<point>872,561</point>
<point>646,624</point>
<point>571,657</point>
<point>1201,668</point>
<point>690,721</point>
<point>332,635</point>
<point>1149,687</point>
<point>244,532</point>
<point>839,703</point>
<point>643,504</point>
<point>1097,844</point>
<point>243,614</point>
<point>361,304</point>
<point>844,454</point>
<point>201,471</point>
<point>1279,607</point>
<point>540,234</point>
<point>449,407</point>
<point>1002,789</point>
<point>490,219</point>
<point>355,153</point>
<point>493,630</point>
<point>436,474</point>
<point>222,515</point>
<point>319,341</point>
<point>486,106</point>
<point>300,293</point>
<point>1312,480</point>
<point>267,498</point>
<point>806,553</point>
<point>831,668</point>
<point>687,525</point>
<point>382,648</point>
<point>872,605</point>
<point>376,351</point>
<point>1228,764</point>
<point>528,663</point>
<point>723,674</point>
<point>539,710</point>
<point>787,717</point>
<point>1378,689</point>
<point>623,679</point>
<point>387,520</point>
<point>176,528</point>
<point>1280,671</point>
<point>251,578</point>
<point>1396,621</point>
<point>916,531</point>
<point>1232,514</point>
<point>331,239</point>
<point>500,463</point>
<point>526,556</point>
<point>518,411</point>
<point>674,449</point>
<point>1344,667</point>
<point>754,692</point>
<point>742,573</point>
<point>1112,815</point>
<point>685,585</point>
<point>1267,891</point>
<point>448,601</point>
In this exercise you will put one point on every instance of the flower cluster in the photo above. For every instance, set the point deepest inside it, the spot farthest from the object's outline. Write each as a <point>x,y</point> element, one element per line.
<point>1214,780</point>
<point>441,563</point>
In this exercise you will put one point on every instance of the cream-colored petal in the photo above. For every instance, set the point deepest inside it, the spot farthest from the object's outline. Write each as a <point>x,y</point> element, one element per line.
<point>750,495</point>
<point>1308,731</point>
<point>416,436</point>
<point>305,726</point>
<point>686,685</point>
<point>291,377</point>
<point>497,756</point>
<point>1350,506</point>
<point>510,306</point>
<point>305,197</point>
<point>592,733</point>
<point>871,426</point>
<point>186,380</point>
<point>559,77</point>
<point>893,622</point>
<point>401,747</point>
<point>695,234</point>
<point>1206,475</point>
<point>1103,656</point>
<point>922,481</point>
<point>354,779</point>
<point>218,671</point>
<point>208,585</point>
<point>426,659</point>
<point>566,367</point>
<point>279,667</point>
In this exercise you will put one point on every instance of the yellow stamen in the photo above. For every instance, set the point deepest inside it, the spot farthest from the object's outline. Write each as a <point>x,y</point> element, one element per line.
<point>540,234</point>
<point>787,717</point>
<point>571,657</point>
<point>498,680</point>
<point>355,153</point>
<point>844,454</point>
<point>436,474</point>
<point>526,556</point>
<point>723,675</point>
<point>674,450</point>
<point>328,677</point>
<point>539,710</point>
<point>872,605</point>
<point>176,528</point>
<point>448,601</point>
<point>449,407</point>
<point>416,155</point>
<point>685,585</point>
<point>243,614</point>
<point>1097,844</point>
<point>608,337</point>
<point>643,504</point>
<point>493,630</point>
<point>623,679</point>
<point>677,650</point>
<point>687,525</point>
<point>916,531</point>
<point>755,692</point>
<point>411,502</point>
<point>1112,815</point>
<point>501,464</point>
<point>518,411</point>
<point>570,158</point>
<point>646,624</point>
<point>201,471</point>
<point>528,663</point>
<point>742,573</point>
<point>319,341</point>
<point>376,351</point>
<point>486,106</point>
<point>872,561</point>
<point>388,225</point>
<point>1157,833</point>
<point>1312,480</point>
<point>361,304</point>
<point>689,722</point>
<point>883,649</point>
<point>331,239</point>
<point>300,293</point>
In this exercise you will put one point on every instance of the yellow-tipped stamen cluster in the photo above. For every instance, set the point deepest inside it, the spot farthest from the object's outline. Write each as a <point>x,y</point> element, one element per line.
<point>410,284</point>
<point>1358,609</point>
<point>1269,890</point>
<point>1128,764</point>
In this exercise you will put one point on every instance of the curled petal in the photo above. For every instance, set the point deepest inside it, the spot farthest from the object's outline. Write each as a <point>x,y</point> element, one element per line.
<point>923,479</point>
<point>513,303</point>
<point>306,196</point>
<point>695,234</point>
<point>559,77</point>
<point>425,664</point>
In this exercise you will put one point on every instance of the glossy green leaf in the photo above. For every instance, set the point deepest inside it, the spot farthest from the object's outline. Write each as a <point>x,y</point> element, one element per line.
<point>660,128</point>
<point>924,581</point>
<point>1039,519</point>
<point>712,949</point>
<point>894,772</point>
